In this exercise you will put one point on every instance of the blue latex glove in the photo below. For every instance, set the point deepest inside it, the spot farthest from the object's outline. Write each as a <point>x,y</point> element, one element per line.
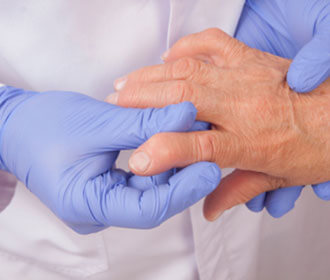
<point>63,146</point>
<point>300,30</point>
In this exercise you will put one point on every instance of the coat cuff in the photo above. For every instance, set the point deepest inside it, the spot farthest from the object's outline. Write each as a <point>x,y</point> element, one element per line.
<point>7,189</point>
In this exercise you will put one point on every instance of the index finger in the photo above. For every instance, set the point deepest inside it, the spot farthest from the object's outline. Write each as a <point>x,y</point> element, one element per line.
<point>182,69</point>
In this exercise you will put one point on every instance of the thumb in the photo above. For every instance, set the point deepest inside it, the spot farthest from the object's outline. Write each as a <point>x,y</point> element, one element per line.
<point>311,66</point>
<point>184,189</point>
<point>169,150</point>
<point>103,205</point>
<point>238,187</point>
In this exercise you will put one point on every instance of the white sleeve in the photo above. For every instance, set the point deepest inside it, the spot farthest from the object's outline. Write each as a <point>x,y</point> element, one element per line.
<point>7,188</point>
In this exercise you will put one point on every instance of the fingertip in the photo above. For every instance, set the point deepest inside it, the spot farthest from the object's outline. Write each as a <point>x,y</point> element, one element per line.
<point>120,83</point>
<point>178,117</point>
<point>322,190</point>
<point>281,201</point>
<point>214,172</point>
<point>208,175</point>
<point>172,118</point>
<point>112,98</point>
<point>189,109</point>
<point>278,212</point>
<point>190,185</point>
<point>256,204</point>
<point>211,218</point>
<point>301,80</point>
<point>203,176</point>
<point>311,66</point>
<point>200,126</point>
<point>211,172</point>
<point>165,55</point>
<point>296,79</point>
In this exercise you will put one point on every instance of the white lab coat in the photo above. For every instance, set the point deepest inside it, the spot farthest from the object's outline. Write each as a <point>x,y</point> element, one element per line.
<point>83,46</point>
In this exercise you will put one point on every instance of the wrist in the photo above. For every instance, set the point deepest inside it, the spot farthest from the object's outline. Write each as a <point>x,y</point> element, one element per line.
<point>312,113</point>
<point>313,109</point>
<point>10,99</point>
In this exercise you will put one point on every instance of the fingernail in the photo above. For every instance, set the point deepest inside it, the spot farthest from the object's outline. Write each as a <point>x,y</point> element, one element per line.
<point>113,98</point>
<point>120,83</point>
<point>139,161</point>
<point>165,55</point>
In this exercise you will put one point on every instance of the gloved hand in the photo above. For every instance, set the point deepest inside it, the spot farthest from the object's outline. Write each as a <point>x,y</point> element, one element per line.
<point>63,146</point>
<point>298,29</point>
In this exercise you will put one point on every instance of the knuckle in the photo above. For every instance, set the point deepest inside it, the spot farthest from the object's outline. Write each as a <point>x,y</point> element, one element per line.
<point>183,91</point>
<point>205,147</point>
<point>132,89</point>
<point>163,140</point>
<point>232,49</point>
<point>213,33</point>
<point>184,68</point>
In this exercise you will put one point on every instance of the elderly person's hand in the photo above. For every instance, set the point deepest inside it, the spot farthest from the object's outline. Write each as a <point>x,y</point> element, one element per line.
<point>274,136</point>
<point>296,29</point>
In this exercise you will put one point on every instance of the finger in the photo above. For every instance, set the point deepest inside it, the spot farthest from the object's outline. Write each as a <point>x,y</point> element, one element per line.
<point>86,207</point>
<point>257,203</point>
<point>183,190</point>
<point>182,69</point>
<point>144,183</point>
<point>200,126</point>
<point>212,45</point>
<point>158,95</point>
<point>238,187</point>
<point>311,66</point>
<point>281,201</point>
<point>125,206</point>
<point>168,150</point>
<point>129,128</point>
<point>322,190</point>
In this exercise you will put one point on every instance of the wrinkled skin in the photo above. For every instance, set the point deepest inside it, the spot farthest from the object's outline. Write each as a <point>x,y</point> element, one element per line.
<point>260,125</point>
<point>299,30</point>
